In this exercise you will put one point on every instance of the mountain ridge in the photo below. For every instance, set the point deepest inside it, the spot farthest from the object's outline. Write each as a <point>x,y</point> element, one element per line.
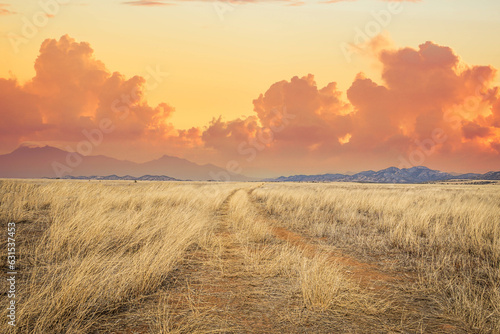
<point>51,162</point>
<point>418,174</point>
<point>39,162</point>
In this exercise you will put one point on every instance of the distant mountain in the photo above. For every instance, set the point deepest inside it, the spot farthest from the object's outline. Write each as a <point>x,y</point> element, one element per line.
<point>418,174</point>
<point>490,176</point>
<point>50,162</point>
<point>406,175</point>
<point>310,178</point>
<point>184,169</point>
<point>123,178</point>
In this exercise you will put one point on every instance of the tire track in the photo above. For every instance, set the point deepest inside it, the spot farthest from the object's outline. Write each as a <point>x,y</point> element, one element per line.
<point>213,289</point>
<point>392,286</point>
<point>216,285</point>
<point>367,274</point>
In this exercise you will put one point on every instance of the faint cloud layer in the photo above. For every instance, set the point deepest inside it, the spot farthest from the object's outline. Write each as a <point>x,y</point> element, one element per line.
<point>146,3</point>
<point>4,9</point>
<point>235,2</point>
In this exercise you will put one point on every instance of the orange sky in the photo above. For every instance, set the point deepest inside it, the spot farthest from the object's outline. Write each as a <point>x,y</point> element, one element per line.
<point>273,87</point>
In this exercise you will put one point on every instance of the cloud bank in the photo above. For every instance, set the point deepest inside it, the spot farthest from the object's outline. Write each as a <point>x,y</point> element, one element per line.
<point>431,109</point>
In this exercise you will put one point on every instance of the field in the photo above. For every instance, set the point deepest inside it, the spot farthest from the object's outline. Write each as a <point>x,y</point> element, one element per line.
<point>168,257</point>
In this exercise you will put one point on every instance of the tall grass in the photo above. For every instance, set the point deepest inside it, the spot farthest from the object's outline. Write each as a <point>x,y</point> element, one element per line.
<point>89,250</point>
<point>449,235</point>
<point>106,245</point>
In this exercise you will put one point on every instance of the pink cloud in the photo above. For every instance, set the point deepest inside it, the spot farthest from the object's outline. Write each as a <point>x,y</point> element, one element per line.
<point>296,125</point>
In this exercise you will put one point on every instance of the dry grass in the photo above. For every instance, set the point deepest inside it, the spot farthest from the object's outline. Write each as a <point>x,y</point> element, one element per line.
<point>448,235</point>
<point>204,257</point>
<point>324,284</point>
<point>106,245</point>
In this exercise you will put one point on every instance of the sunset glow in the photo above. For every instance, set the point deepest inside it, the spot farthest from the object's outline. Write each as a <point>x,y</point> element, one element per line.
<point>278,87</point>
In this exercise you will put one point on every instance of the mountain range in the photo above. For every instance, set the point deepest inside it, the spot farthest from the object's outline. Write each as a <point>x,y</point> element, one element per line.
<point>51,162</point>
<point>419,174</point>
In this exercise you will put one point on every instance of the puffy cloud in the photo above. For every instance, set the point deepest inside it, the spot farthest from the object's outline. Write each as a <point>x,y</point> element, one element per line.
<point>303,115</point>
<point>225,136</point>
<point>431,89</point>
<point>294,119</point>
<point>430,106</point>
<point>67,82</point>
<point>430,109</point>
<point>73,92</point>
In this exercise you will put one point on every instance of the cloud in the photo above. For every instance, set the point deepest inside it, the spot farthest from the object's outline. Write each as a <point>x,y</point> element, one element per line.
<point>294,119</point>
<point>4,9</point>
<point>429,108</point>
<point>72,92</point>
<point>430,105</point>
<point>426,91</point>
<point>145,3</point>
<point>231,2</point>
<point>495,116</point>
<point>472,130</point>
<point>239,2</point>
<point>19,111</point>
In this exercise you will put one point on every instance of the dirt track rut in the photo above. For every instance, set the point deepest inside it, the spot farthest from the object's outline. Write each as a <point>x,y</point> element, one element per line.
<point>213,291</point>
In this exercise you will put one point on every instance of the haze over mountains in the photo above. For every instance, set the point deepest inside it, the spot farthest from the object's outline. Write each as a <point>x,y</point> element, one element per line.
<point>50,162</point>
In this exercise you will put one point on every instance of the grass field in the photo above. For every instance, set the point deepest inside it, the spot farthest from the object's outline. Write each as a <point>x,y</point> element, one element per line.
<point>153,257</point>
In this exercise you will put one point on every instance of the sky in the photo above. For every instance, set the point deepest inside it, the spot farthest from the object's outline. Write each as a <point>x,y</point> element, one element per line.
<point>272,87</point>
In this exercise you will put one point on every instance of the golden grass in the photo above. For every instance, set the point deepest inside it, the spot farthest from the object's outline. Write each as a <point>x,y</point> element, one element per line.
<point>324,284</point>
<point>92,251</point>
<point>448,235</point>
<point>106,245</point>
